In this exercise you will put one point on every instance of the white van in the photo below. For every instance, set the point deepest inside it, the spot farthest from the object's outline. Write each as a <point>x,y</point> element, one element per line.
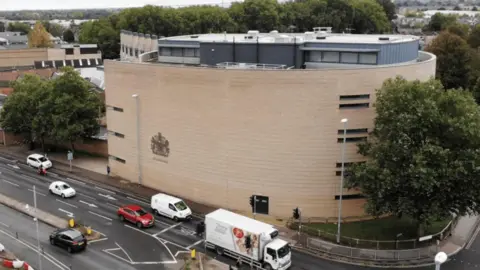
<point>169,206</point>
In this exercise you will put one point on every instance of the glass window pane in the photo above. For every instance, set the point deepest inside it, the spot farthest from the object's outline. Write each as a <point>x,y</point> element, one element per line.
<point>314,56</point>
<point>331,57</point>
<point>368,58</point>
<point>165,51</point>
<point>350,58</point>
<point>197,52</point>
<point>189,52</point>
<point>177,52</point>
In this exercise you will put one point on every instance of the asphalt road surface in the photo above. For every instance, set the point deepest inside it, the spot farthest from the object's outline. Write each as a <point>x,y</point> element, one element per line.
<point>160,247</point>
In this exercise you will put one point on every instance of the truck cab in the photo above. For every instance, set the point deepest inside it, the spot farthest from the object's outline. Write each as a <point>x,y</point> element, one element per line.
<point>276,253</point>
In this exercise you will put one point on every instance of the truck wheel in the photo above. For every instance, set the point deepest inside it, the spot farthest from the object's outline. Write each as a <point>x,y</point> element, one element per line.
<point>267,266</point>
<point>219,250</point>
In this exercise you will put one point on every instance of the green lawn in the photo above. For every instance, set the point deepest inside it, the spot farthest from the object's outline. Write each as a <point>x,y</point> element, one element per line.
<point>380,229</point>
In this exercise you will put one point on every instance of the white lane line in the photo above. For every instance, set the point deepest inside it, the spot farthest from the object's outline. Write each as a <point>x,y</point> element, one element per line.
<point>166,229</point>
<point>474,236</point>
<point>89,204</point>
<point>29,177</point>
<point>162,241</point>
<point>13,184</point>
<point>138,230</point>
<point>171,243</point>
<point>66,212</point>
<point>106,190</point>
<point>98,215</point>
<point>107,196</point>
<point>196,243</point>
<point>178,252</point>
<point>76,181</point>
<point>112,205</point>
<point>128,256</point>
<point>86,196</point>
<point>133,199</point>
<point>74,206</point>
<point>14,166</point>
<point>115,255</point>
<point>100,233</point>
<point>3,224</point>
<point>96,240</point>
<point>45,255</point>
<point>39,193</point>
<point>163,223</point>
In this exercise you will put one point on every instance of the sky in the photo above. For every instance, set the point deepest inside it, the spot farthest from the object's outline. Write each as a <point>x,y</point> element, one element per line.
<point>82,4</point>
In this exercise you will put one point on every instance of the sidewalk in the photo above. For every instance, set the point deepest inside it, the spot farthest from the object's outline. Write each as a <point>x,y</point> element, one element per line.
<point>90,168</point>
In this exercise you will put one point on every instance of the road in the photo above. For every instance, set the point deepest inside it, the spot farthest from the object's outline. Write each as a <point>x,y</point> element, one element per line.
<point>160,247</point>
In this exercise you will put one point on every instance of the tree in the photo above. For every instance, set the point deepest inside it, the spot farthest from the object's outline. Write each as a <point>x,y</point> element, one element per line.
<point>453,59</point>
<point>68,36</point>
<point>440,22</point>
<point>461,30</point>
<point>474,37</point>
<point>54,29</point>
<point>20,113</point>
<point>74,107</point>
<point>389,8</point>
<point>39,37</point>
<point>422,153</point>
<point>104,35</point>
<point>19,27</point>
<point>2,27</point>
<point>474,8</point>
<point>457,8</point>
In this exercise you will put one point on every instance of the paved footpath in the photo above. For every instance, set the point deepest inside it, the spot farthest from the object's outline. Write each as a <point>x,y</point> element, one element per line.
<point>89,168</point>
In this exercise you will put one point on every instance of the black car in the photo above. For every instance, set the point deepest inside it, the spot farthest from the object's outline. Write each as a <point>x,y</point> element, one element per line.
<point>70,239</point>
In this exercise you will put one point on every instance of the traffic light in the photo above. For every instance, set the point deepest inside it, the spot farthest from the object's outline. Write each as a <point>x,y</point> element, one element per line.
<point>252,201</point>
<point>248,242</point>
<point>296,213</point>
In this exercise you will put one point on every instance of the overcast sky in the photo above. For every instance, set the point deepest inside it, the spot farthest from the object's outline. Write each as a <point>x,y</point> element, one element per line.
<point>80,4</point>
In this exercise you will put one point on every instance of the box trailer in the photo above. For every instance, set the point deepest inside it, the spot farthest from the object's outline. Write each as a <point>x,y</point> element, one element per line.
<point>229,233</point>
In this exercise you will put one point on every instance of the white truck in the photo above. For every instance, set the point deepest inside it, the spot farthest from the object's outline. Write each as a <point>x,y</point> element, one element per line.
<point>227,233</point>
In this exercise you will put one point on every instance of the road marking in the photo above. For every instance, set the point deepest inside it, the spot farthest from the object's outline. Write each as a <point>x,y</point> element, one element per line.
<point>28,177</point>
<point>14,166</point>
<point>89,204</point>
<point>106,190</point>
<point>13,184</point>
<point>124,252</point>
<point>166,229</point>
<point>107,196</point>
<point>66,212</point>
<point>9,160</point>
<point>163,223</point>
<point>196,243</point>
<point>3,224</point>
<point>74,206</point>
<point>86,196</point>
<point>474,236</point>
<point>97,240</point>
<point>178,252</point>
<point>39,193</point>
<point>54,174</point>
<point>76,181</point>
<point>113,206</point>
<point>162,241</point>
<point>171,243</point>
<point>93,213</point>
<point>133,199</point>
<point>45,255</point>
<point>138,230</point>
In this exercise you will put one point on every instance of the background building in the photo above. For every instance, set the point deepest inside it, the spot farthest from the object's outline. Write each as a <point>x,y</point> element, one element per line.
<point>225,116</point>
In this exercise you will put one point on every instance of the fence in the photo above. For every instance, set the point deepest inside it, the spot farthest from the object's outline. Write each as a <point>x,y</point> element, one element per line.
<point>400,244</point>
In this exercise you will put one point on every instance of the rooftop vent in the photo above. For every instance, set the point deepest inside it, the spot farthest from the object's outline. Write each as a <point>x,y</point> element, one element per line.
<point>383,38</point>
<point>309,35</point>
<point>253,33</point>
<point>194,36</point>
<point>322,29</point>
<point>323,37</point>
<point>274,32</point>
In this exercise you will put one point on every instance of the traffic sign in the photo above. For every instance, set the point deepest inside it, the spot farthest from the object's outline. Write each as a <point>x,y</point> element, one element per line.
<point>70,155</point>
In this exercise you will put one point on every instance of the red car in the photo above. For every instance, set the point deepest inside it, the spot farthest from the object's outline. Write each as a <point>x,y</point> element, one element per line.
<point>136,215</point>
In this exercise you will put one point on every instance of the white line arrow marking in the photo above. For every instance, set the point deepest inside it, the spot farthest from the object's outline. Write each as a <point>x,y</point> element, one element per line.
<point>74,206</point>
<point>107,196</point>
<point>14,166</point>
<point>89,204</point>
<point>66,212</point>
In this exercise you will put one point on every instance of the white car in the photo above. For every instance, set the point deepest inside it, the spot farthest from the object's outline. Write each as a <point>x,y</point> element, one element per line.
<point>35,160</point>
<point>62,189</point>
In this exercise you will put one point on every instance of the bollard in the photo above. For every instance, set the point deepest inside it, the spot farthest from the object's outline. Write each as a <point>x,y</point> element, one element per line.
<point>89,230</point>
<point>71,223</point>
<point>192,254</point>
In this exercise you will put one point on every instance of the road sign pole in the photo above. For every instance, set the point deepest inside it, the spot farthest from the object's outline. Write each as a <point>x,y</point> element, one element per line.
<point>254,206</point>
<point>70,158</point>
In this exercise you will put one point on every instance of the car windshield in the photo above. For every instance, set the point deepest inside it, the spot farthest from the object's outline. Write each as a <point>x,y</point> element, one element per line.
<point>181,206</point>
<point>141,212</point>
<point>283,251</point>
<point>42,159</point>
<point>64,186</point>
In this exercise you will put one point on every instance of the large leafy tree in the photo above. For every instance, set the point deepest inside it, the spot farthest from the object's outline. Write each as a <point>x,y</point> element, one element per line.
<point>453,59</point>
<point>423,153</point>
<point>19,27</point>
<point>75,109</point>
<point>39,37</point>
<point>103,34</point>
<point>68,36</point>
<point>439,22</point>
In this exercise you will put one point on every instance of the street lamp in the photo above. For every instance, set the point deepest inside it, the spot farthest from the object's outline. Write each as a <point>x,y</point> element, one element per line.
<point>137,112</point>
<point>440,258</point>
<point>344,121</point>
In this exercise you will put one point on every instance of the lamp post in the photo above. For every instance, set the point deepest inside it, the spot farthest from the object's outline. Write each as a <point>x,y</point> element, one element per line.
<point>344,121</point>
<point>137,113</point>
<point>440,258</point>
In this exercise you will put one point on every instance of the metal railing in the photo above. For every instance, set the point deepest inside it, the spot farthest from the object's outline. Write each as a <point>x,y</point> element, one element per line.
<point>237,65</point>
<point>349,242</point>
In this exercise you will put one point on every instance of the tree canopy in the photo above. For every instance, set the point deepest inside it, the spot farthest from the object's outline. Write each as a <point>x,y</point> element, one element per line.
<point>422,153</point>
<point>68,36</point>
<point>439,22</point>
<point>359,16</point>
<point>39,37</point>
<point>19,27</point>
<point>63,109</point>
<point>54,29</point>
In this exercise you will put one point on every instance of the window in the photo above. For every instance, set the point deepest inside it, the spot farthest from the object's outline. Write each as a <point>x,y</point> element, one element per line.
<point>350,197</point>
<point>130,52</point>
<point>368,58</point>
<point>339,173</point>
<point>136,52</point>
<point>352,139</point>
<point>116,134</point>
<point>197,52</point>
<point>188,52</point>
<point>354,106</point>
<point>349,58</point>
<point>165,51</point>
<point>332,57</point>
<point>354,97</point>
<point>118,159</point>
<point>353,131</point>
<point>117,109</point>
<point>177,52</point>
<point>172,207</point>
<point>314,56</point>
<point>88,50</point>
<point>69,51</point>
<point>272,253</point>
